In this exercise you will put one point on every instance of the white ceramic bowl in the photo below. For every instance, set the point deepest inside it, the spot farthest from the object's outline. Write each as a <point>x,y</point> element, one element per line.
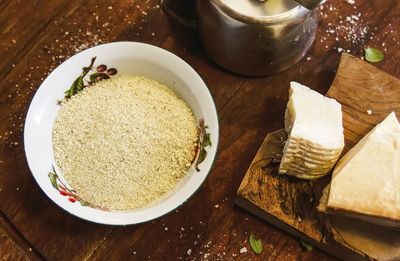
<point>128,58</point>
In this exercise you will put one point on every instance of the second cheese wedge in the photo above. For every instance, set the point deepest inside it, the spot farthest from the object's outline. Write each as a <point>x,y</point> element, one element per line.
<point>315,133</point>
<point>366,181</point>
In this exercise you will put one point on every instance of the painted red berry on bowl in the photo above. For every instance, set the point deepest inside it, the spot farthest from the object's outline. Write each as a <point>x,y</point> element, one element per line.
<point>112,71</point>
<point>101,68</point>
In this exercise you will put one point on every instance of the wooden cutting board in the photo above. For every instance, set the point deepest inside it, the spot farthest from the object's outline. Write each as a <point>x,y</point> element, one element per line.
<point>367,96</point>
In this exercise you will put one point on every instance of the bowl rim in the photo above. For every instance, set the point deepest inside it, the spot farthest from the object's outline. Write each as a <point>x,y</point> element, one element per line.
<point>118,221</point>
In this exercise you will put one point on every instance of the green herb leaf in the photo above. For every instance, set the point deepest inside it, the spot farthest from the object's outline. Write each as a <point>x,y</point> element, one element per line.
<point>306,246</point>
<point>84,203</point>
<point>201,158</point>
<point>79,85</point>
<point>93,77</point>
<point>85,70</point>
<point>255,244</point>
<point>76,86</point>
<point>206,140</point>
<point>53,180</point>
<point>373,55</point>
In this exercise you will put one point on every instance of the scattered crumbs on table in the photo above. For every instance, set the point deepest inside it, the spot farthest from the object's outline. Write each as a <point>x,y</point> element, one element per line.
<point>369,112</point>
<point>216,206</point>
<point>17,189</point>
<point>189,251</point>
<point>134,252</point>
<point>110,7</point>
<point>166,228</point>
<point>308,58</point>
<point>221,255</point>
<point>350,30</point>
<point>243,250</point>
<point>30,249</point>
<point>182,229</point>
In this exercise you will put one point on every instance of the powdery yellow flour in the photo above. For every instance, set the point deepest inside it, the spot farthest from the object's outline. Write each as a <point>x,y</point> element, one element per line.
<point>124,142</point>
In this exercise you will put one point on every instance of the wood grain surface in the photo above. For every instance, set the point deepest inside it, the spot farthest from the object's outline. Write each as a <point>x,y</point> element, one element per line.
<point>367,96</point>
<point>36,36</point>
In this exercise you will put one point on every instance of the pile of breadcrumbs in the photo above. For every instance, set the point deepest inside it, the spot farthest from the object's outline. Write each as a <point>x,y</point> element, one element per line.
<point>124,142</point>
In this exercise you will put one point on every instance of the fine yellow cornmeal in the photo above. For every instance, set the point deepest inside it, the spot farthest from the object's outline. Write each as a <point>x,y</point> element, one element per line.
<point>124,142</point>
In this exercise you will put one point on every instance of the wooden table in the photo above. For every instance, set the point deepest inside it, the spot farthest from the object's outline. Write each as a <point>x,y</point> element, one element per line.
<point>36,36</point>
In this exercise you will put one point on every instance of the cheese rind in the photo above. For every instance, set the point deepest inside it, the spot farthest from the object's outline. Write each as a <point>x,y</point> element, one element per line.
<point>315,133</point>
<point>366,181</point>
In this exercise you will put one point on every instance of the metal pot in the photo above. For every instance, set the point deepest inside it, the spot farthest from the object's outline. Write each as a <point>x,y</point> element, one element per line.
<point>255,38</point>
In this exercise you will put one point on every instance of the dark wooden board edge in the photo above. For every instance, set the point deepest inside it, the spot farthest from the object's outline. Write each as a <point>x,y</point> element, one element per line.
<point>336,251</point>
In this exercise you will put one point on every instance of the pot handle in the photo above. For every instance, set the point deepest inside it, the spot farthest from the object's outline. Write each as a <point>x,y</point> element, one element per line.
<point>182,11</point>
<point>310,4</point>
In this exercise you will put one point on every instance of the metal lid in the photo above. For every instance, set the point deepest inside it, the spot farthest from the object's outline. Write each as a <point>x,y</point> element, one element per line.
<point>262,11</point>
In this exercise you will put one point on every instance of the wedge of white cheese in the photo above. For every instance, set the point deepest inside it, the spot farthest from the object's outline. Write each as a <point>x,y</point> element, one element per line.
<point>366,181</point>
<point>315,133</point>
